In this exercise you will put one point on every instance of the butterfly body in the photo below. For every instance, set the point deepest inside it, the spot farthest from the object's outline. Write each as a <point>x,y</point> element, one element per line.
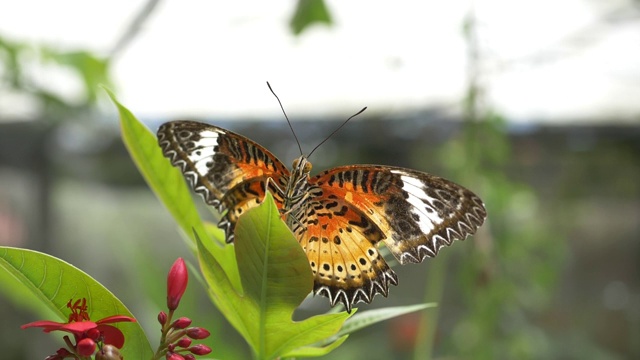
<point>339,216</point>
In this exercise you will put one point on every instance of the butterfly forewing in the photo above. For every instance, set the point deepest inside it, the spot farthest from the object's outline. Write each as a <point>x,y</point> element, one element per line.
<point>227,169</point>
<point>339,216</point>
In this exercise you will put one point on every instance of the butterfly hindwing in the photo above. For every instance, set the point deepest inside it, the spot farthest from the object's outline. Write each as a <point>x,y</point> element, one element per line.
<point>228,170</point>
<point>340,242</point>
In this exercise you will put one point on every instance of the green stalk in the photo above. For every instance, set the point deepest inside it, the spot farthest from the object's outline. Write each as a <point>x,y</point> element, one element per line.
<point>429,317</point>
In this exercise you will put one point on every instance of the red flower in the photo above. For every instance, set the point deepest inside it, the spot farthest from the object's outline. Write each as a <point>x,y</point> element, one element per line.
<point>86,329</point>
<point>176,283</point>
<point>82,328</point>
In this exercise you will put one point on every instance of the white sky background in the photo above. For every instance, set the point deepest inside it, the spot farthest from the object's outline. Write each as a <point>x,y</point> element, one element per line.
<point>544,60</point>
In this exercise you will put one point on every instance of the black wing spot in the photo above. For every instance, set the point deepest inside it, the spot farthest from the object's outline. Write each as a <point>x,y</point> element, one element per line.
<point>343,210</point>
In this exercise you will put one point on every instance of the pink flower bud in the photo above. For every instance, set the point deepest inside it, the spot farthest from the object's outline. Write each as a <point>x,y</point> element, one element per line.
<point>200,349</point>
<point>176,283</point>
<point>174,356</point>
<point>86,347</point>
<point>197,333</point>
<point>189,357</point>
<point>184,342</point>
<point>162,318</point>
<point>181,323</point>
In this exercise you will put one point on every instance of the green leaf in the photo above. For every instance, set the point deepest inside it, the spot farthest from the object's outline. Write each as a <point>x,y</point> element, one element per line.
<point>168,184</point>
<point>315,351</point>
<point>307,13</point>
<point>54,282</point>
<point>367,318</point>
<point>276,277</point>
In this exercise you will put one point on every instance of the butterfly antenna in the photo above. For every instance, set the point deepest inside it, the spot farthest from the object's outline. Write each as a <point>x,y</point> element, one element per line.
<point>338,129</point>
<point>286,117</point>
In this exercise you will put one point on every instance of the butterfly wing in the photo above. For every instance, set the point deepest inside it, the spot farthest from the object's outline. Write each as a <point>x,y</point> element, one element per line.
<point>339,239</point>
<point>352,208</point>
<point>228,170</point>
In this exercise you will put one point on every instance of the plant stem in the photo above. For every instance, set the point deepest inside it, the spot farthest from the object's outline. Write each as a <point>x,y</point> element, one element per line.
<point>429,317</point>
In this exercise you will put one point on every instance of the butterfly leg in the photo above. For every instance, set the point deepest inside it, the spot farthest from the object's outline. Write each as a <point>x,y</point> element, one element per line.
<point>286,213</point>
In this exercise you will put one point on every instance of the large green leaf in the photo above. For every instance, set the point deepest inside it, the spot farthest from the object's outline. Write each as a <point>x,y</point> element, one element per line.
<point>276,277</point>
<point>54,282</point>
<point>168,184</point>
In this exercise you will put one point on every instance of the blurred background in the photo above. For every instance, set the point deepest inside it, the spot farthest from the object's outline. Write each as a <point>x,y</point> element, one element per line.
<point>534,105</point>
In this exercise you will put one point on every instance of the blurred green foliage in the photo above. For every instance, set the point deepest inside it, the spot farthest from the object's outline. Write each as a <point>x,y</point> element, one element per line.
<point>307,13</point>
<point>19,61</point>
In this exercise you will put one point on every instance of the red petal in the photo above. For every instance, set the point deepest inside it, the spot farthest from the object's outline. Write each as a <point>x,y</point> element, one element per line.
<point>115,319</point>
<point>78,327</point>
<point>112,335</point>
<point>46,324</point>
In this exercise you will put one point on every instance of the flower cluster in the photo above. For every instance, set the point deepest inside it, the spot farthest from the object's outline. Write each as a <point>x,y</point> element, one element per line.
<point>177,336</point>
<point>89,336</point>
<point>104,341</point>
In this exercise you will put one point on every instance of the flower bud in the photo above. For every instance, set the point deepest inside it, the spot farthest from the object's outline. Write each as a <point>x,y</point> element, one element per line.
<point>61,354</point>
<point>162,318</point>
<point>197,333</point>
<point>108,352</point>
<point>174,356</point>
<point>189,357</point>
<point>181,323</point>
<point>184,342</point>
<point>200,349</point>
<point>176,283</point>
<point>93,334</point>
<point>86,347</point>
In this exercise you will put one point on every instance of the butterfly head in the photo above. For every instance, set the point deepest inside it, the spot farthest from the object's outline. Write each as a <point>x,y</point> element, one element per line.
<point>301,167</point>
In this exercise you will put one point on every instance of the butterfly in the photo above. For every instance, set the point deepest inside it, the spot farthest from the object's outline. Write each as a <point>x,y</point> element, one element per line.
<point>339,216</point>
